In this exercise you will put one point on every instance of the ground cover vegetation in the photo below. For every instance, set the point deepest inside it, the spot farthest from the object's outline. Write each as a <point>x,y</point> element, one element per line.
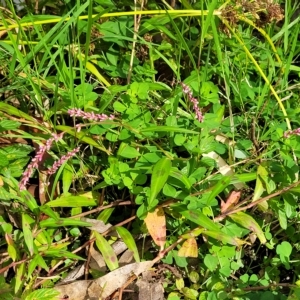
<point>149,146</point>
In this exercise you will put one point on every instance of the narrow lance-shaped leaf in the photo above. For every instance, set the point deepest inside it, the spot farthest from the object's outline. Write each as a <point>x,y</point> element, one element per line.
<point>259,187</point>
<point>175,173</point>
<point>248,222</point>
<point>19,277</point>
<point>105,214</point>
<point>62,222</point>
<point>107,251</point>
<point>156,225</point>
<point>62,253</point>
<point>27,231</point>
<point>198,218</point>
<point>167,129</point>
<point>12,250</point>
<point>72,201</point>
<point>218,188</point>
<point>159,177</point>
<point>225,238</point>
<point>192,233</point>
<point>129,241</point>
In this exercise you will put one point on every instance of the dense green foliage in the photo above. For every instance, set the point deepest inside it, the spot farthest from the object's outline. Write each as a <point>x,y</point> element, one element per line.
<point>173,121</point>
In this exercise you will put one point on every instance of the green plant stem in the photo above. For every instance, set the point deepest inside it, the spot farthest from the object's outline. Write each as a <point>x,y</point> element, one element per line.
<point>178,13</point>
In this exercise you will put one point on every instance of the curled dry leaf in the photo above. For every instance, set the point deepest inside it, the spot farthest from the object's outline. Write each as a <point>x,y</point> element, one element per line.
<point>104,286</point>
<point>156,225</point>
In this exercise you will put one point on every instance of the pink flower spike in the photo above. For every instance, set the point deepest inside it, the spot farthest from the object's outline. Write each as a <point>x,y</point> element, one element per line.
<point>187,90</point>
<point>61,161</point>
<point>34,164</point>
<point>288,133</point>
<point>76,112</point>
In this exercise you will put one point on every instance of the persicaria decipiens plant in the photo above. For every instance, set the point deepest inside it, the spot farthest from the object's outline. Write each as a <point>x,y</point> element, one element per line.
<point>288,133</point>
<point>188,91</point>
<point>76,112</point>
<point>34,164</point>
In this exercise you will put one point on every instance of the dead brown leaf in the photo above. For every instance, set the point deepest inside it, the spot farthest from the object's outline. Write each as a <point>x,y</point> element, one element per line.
<point>156,225</point>
<point>104,286</point>
<point>232,200</point>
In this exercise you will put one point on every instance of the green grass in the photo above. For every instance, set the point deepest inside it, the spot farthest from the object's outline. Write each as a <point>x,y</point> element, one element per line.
<point>216,200</point>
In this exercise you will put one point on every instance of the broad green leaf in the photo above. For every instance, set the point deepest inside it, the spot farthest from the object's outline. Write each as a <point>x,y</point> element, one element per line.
<point>259,187</point>
<point>72,201</point>
<point>282,219</point>
<point>107,251</point>
<point>218,188</point>
<point>16,151</point>
<point>248,222</point>
<point>159,177</point>
<point>8,125</point>
<point>190,293</point>
<point>127,151</point>
<point>211,262</point>
<point>62,222</point>
<point>27,231</point>
<point>284,250</point>
<point>129,241</point>
<point>179,283</point>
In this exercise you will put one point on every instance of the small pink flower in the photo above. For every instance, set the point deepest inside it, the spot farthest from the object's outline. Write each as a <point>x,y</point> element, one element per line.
<point>78,127</point>
<point>76,112</point>
<point>288,133</point>
<point>187,90</point>
<point>61,161</point>
<point>34,164</point>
